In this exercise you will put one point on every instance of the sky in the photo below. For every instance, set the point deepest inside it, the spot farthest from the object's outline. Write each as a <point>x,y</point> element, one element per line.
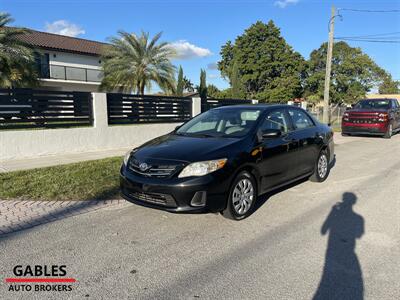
<point>198,28</point>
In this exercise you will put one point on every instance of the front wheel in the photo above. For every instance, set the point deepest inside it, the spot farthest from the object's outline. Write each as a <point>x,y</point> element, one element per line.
<point>322,168</point>
<point>242,197</point>
<point>389,132</point>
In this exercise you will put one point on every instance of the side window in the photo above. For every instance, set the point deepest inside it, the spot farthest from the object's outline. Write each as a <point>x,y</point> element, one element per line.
<point>300,119</point>
<point>395,104</point>
<point>275,120</point>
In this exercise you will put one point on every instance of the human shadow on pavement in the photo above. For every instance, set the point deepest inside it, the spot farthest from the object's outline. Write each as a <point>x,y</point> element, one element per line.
<point>342,275</point>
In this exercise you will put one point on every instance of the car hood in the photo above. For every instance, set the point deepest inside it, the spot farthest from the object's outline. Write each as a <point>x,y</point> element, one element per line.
<point>185,148</point>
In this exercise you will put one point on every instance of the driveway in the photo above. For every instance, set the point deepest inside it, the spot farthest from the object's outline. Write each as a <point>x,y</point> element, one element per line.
<point>338,240</point>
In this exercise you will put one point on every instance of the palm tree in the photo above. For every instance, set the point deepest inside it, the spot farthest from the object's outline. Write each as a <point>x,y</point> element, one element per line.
<point>133,62</point>
<point>188,85</point>
<point>17,64</point>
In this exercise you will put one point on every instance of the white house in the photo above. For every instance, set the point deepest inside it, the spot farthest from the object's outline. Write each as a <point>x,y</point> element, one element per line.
<point>66,63</point>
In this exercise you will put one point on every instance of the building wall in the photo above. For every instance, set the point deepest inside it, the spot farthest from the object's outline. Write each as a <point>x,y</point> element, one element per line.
<point>380,96</point>
<point>63,85</point>
<point>74,60</point>
<point>58,58</point>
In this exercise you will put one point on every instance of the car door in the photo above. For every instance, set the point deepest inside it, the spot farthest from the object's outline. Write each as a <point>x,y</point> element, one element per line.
<point>278,154</point>
<point>306,132</point>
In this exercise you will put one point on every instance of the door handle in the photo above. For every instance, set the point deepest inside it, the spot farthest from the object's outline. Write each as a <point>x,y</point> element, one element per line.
<point>287,138</point>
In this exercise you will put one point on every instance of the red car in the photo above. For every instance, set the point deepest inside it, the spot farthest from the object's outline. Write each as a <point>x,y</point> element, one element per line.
<point>372,116</point>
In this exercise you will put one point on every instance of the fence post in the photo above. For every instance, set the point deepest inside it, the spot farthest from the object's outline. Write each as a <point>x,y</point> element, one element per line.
<point>196,106</point>
<point>100,110</point>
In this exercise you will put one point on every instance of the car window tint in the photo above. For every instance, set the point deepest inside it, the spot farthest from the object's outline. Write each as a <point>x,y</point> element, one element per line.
<point>275,120</point>
<point>300,119</point>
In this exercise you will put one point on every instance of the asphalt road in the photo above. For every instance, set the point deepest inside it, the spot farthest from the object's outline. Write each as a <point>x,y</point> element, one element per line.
<point>335,240</point>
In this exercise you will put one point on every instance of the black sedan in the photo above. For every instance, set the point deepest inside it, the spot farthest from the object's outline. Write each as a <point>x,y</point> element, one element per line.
<point>221,160</point>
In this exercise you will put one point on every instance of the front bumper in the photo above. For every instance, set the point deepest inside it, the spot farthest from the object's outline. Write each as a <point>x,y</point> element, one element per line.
<point>177,194</point>
<point>373,129</point>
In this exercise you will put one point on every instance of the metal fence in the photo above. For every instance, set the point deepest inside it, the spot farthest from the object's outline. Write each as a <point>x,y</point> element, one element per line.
<point>213,103</point>
<point>336,114</point>
<point>135,109</point>
<point>27,108</point>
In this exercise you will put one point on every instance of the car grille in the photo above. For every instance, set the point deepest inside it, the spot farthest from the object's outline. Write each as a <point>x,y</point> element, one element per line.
<point>159,199</point>
<point>160,171</point>
<point>364,118</point>
<point>364,121</point>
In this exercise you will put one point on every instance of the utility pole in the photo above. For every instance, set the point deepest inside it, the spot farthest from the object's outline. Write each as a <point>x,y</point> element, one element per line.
<point>326,115</point>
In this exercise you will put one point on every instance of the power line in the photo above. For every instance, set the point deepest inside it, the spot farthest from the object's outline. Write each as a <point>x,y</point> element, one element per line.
<point>370,11</point>
<point>383,35</point>
<point>368,40</point>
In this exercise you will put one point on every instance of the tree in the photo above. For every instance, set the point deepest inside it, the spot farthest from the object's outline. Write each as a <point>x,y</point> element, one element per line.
<point>236,84</point>
<point>266,63</point>
<point>180,84</point>
<point>202,88</point>
<point>17,64</point>
<point>134,62</point>
<point>212,91</point>
<point>354,73</point>
<point>187,85</point>
<point>389,86</point>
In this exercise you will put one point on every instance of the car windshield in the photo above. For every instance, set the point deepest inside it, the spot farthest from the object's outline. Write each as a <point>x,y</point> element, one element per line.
<point>373,104</point>
<point>230,122</point>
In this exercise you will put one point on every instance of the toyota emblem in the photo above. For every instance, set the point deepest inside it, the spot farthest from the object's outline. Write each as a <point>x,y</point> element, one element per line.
<point>143,167</point>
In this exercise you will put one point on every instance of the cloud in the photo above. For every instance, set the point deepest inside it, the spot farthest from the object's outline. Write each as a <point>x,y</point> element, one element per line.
<point>186,50</point>
<point>284,3</point>
<point>64,27</point>
<point>214,76</point>
<point>212,66</point>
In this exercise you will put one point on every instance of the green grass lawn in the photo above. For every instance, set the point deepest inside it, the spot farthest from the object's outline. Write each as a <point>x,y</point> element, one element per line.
<point>97,179</point>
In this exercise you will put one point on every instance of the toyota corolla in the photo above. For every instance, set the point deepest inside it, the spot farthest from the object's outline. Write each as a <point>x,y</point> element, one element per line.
<point>223,159</point>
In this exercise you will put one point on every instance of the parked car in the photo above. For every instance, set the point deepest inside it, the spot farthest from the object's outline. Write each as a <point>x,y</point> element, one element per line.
<point>372,116</point>
<point>222,159</point>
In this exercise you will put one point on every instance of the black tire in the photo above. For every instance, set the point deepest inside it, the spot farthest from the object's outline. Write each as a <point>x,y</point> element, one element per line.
<point>345,134</point>
<point>320,175</point>
<point>389,132</point>
<point>230,212</point>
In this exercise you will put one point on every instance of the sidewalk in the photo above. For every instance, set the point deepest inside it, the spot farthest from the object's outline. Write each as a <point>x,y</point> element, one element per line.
<point>60,159</point>
<point>16,215</point>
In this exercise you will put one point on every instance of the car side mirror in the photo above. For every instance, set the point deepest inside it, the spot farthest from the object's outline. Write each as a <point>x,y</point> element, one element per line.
<point>269,134</point>
<point>177,127</point>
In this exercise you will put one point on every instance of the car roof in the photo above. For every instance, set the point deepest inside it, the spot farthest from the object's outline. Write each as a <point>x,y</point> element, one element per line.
<point>377,99</point>
<point>255,106</point>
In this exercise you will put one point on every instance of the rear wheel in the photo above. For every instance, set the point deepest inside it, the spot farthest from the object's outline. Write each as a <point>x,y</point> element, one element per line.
<point>242,197</point>
<point>389,132</point>
<point>322,168</point>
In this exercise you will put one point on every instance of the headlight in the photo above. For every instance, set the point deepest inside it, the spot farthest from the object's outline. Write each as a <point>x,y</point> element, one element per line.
<point>128,155</point>
<point>202,167</point>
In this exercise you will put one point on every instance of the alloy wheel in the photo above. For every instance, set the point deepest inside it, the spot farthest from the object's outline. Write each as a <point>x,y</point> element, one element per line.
<point>243,196</point>
<point>322,166</point>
